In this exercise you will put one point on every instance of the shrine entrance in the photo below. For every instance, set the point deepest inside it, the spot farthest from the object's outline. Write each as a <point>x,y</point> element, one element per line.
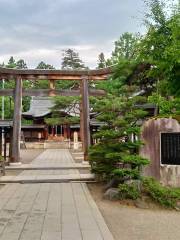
<point>83,76</point>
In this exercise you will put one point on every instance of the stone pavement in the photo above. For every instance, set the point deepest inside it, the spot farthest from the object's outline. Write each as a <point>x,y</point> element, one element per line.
<point>50,211</point>
<point>53,165</point>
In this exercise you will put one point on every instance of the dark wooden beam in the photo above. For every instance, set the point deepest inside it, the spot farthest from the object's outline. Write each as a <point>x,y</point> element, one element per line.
<point>53,77</point>
<point>50,72</point>
<point>33,74</point>
<point>85,118</point>
<point>17,121</point>
<point>50,92</point>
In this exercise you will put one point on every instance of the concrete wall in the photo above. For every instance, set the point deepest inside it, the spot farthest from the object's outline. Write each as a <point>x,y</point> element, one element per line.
<point>166,174</point>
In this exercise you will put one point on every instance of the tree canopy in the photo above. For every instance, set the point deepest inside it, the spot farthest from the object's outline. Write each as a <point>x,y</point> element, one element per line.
<point>71,60</point>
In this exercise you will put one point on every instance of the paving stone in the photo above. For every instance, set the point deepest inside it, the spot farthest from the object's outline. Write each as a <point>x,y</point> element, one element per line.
<point>50,211</point>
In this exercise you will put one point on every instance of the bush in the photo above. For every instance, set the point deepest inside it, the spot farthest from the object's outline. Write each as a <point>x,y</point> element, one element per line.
<point>165,196</point>
<point>127,191</point>
<point>125,174</point>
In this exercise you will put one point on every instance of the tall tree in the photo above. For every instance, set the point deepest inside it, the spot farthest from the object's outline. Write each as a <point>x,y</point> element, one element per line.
<point>126,47</point>
<point>43,65</point>
<point>21,64</point>
<point>71,60</point>
<point>11,63</point>
<point>101,61</point>
<point>161,45</point>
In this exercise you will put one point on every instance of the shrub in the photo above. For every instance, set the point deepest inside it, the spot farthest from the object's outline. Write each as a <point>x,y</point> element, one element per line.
<point>165,196</point>
<point>127,191</point>
<point>125,174</point>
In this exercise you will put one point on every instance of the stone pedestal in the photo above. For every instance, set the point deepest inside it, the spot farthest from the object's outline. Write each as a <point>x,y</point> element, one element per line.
<point>76,143</point>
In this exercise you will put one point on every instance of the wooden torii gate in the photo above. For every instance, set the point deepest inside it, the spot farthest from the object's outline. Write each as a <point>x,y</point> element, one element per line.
<point>51,75</point>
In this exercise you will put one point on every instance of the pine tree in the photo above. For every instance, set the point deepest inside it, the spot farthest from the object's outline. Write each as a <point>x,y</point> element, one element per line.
<point>21,64</point>
<point>118,138</point>
<point>61,104</point>
<point>71,60</point>
<point>101,61</point>
<point>43,65</point>
<point>11,63</point>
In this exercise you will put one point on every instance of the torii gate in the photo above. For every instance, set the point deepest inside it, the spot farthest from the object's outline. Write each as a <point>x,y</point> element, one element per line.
<point>51,75</point>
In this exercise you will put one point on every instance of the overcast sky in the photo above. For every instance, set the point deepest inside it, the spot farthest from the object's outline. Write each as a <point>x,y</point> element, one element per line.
<point>37,30</point>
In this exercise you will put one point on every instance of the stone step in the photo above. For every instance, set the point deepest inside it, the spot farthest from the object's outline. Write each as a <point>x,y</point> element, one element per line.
<point>77,153</point>
<point>48,178</point>
<point>75,166</point>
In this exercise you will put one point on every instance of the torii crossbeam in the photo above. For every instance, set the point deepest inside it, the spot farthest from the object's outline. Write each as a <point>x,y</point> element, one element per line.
<point>51,75</point>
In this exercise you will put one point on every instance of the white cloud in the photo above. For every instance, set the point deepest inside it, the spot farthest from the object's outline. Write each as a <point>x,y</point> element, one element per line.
<point>39,30</point>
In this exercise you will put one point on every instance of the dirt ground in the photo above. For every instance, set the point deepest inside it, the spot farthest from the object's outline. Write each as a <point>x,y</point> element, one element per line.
<point>131,223</point>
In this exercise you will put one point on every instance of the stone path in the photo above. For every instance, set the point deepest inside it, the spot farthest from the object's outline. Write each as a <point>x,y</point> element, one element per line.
<point>58,166</point>
<point>50,211</point>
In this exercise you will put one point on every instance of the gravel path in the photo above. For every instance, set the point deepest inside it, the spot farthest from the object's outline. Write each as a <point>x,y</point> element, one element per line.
<point>131,223</point>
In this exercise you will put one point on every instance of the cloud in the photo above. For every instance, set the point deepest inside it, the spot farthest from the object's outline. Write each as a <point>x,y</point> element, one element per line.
<point>39,30</point>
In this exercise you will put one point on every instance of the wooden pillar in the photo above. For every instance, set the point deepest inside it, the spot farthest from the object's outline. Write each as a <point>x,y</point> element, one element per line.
<point>65,132</point>
<point>52,131</point>
<point>85,117</point>
<point>10,142</point>
<point>52,84</point>
<point>5,146</point>
<point>81,121</point>
<point>15,158</point>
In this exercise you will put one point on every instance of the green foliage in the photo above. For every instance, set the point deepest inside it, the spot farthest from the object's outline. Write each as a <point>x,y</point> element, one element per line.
<point>62,120</point>
<point>26,121</point>
<point>43,83</point>
<point>124,174</point>
<point>165,196</point>
<point>161,46</point>
<point>63,105</point>
<point>43,65</point>
<point>117,143</point>
<point>8,107</point>
<point>62,102</point>
<point>21,64</point>
<point>126,48</point>
<point>101,61</point>
<point>71,60</point>
<point>127,191</point>
<point>11,63</point>
<point>167,106</point>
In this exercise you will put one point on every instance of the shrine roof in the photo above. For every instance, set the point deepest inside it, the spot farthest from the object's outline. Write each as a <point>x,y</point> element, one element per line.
<point>42,106</point>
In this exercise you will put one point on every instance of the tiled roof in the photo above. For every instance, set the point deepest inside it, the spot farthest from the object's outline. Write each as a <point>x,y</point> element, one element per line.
<point>41,106</point>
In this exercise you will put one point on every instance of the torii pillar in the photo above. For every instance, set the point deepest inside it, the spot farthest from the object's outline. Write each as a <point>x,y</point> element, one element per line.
<point>85,116</point>
<point>15,158</point>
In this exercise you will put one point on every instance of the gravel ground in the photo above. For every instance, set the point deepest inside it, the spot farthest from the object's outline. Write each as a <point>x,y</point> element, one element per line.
<point>131,223</point>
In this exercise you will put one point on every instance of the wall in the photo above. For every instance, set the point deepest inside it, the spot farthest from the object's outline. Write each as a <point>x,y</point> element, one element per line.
<point>166,174</point>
